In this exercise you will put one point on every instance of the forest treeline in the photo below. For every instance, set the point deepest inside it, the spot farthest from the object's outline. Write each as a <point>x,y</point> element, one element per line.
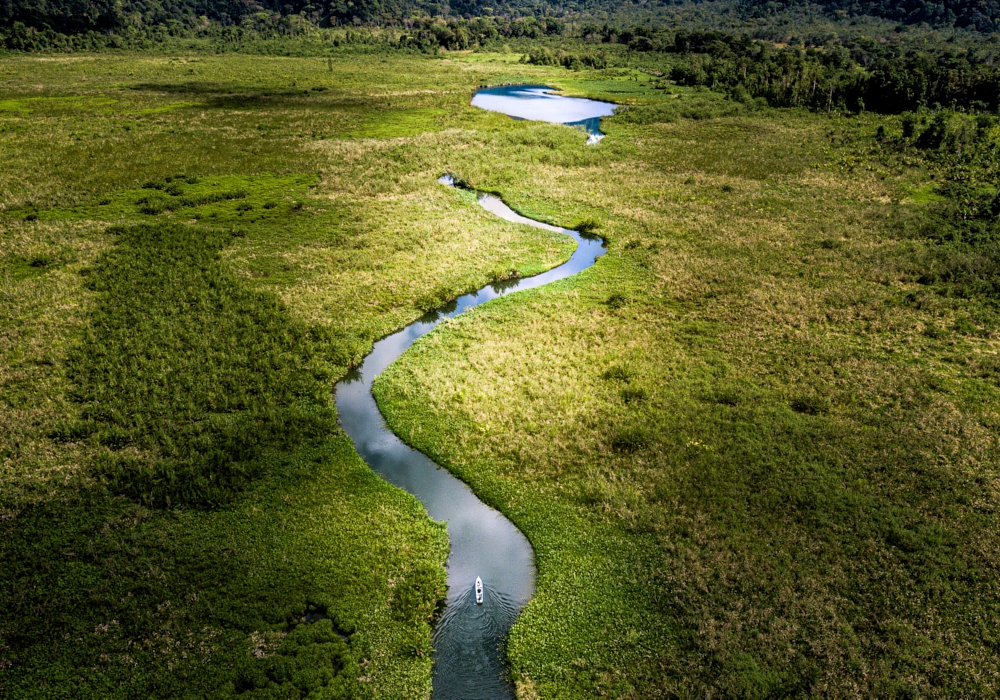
<point>850,74</point>
<point>418,33</point>
<point>981,15</point>
<point>72,17</point>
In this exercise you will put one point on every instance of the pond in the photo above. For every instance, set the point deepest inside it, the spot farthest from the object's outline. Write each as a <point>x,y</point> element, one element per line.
<point>540,103</point>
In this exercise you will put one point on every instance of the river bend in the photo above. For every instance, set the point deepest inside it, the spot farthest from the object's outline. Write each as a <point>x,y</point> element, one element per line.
<point>468,638</point>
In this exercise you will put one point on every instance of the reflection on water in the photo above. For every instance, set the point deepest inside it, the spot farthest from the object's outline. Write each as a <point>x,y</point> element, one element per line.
<point>468,645</point>
<point>538,103</point>
<point>468,639</point>
<point>501,286</point>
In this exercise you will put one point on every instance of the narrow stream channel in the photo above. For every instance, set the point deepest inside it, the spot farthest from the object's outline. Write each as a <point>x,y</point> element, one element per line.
<point>469,638</point>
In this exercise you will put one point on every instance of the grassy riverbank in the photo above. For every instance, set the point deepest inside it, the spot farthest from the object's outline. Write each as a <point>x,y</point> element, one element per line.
<point>187,267</point>
<point>754,456</point>
<point>753,451</point>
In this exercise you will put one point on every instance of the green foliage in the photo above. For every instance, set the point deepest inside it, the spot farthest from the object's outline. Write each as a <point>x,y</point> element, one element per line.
<point>618,373</point>
<point>700,104</point>
<point>983,17</point>
<point>852,75</point>
<point>784,484</point>
<point>314,661</point>
<point>188,387</point>
<point>105,595</point>
<point>961,219</point>
<point>202,377</point>
<point>429,35</point>
<point>822,73</point>
<point>810,404</point>
<point>160,205</point>
<point>101,552</point>
<point>630,439</point>
<point>764,469</point>
<point>616,300</point>
<point>542,56</point>
<point>633,394</point>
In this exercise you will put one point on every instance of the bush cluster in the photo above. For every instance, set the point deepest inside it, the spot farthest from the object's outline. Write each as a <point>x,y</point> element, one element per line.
<point>962,224</point>
<point>542,56</point>
<point>853,76</point>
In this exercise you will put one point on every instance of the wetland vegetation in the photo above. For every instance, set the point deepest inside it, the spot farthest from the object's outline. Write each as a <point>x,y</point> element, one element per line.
<point>754,446</point>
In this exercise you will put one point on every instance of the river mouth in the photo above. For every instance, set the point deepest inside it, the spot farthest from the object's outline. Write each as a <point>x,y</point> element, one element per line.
<point>469,638</point>
<point>540,103</point>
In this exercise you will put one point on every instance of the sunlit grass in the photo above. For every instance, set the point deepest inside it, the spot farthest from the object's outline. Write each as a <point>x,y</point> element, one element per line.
<point>743,407</point>
<point>753,455</point>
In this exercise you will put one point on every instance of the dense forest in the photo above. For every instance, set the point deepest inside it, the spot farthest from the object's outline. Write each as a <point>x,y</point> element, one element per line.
<point>81,16</point>
<point>854,75</point>
<point>981,15</point>
<point>76,16</point>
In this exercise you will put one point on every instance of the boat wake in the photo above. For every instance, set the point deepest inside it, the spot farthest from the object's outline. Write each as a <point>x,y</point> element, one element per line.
<point>469,647</point>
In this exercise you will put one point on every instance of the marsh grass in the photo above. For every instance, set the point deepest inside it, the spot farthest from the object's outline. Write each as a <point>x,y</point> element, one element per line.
<point>138,376</point>
<point>189,260</point>
<point>750,462</point>
<point>796,479</point>
<point>188,380</point>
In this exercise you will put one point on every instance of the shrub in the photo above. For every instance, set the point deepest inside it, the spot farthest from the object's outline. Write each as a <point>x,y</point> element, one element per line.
<point>632,394</point>
<point>810,404</point>
<point>727,397</point>
<point>618,373</point>
<point>158,206</point>
<point>616,301</point>
<point>629,440</point>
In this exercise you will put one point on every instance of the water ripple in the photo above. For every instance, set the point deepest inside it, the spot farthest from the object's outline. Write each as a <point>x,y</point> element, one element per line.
<point>469,647</point>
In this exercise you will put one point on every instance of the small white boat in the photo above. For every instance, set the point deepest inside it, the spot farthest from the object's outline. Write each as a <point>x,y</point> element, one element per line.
<point>479,591</point>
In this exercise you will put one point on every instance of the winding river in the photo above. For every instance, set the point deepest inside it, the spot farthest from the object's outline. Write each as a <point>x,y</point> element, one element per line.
<point>468,638</point>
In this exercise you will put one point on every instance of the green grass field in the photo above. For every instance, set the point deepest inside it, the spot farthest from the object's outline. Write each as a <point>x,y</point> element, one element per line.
<point>754,455</point>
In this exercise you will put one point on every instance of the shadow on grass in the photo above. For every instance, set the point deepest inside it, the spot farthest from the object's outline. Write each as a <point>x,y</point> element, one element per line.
<point>136,583</point>
<point>220,96</point>
<point>187,380</point>
<point>114,599</point>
